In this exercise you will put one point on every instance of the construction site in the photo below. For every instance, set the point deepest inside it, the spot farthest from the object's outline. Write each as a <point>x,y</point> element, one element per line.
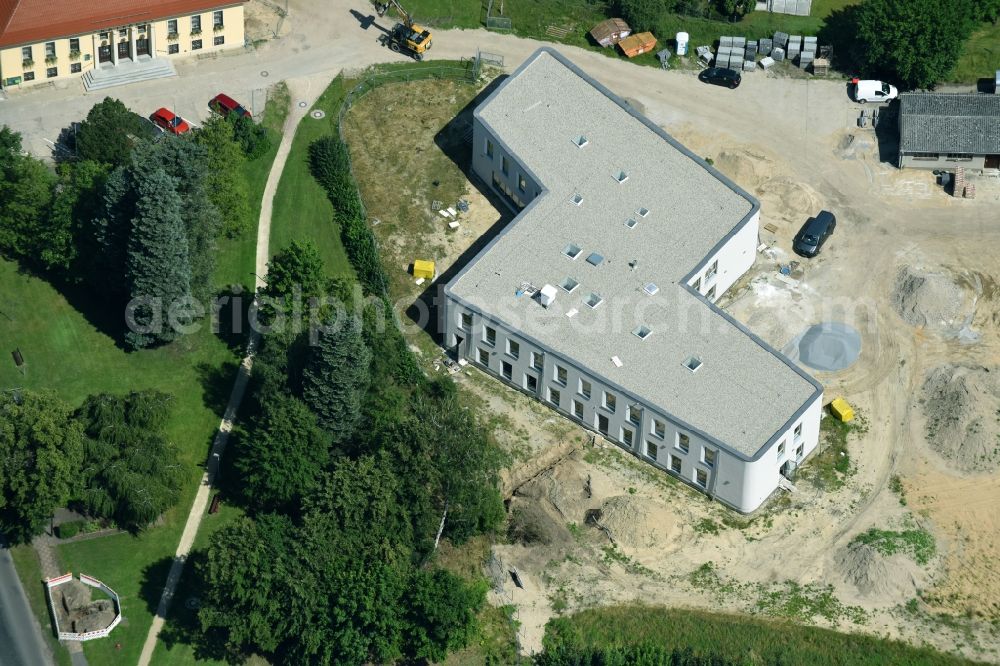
<point>888,528</point>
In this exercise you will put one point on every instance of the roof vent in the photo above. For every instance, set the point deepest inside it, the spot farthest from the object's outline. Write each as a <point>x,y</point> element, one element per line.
<point>595,259</point>
<point>617,361</point>
<point>572,312</point>
<point>593,300</point>
<point>581,141</point>
<point>577,199</point>
<point>547,295</point>
<point>651,289</point>
<point>621,176</point>
<point>631,222</point>
<point>569,284</point>
<point>572,251</point>
<point>642,332</point>
<point>642,212</point>
<point>692,363</point>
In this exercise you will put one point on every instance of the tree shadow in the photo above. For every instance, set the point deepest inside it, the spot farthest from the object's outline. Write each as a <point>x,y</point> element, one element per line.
<point>840,30</point>
<point>217,384</point>
<point>232,322</point>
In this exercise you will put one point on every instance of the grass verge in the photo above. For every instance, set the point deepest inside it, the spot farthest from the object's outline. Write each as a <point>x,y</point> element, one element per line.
<point>916,543</point>
<point>30,573</point>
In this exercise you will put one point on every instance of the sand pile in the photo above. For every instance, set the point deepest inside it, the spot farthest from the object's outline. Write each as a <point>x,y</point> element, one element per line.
<point>961,405</point>
<point>877,576</point>
<point>932,300</point>
<point>637,523</point>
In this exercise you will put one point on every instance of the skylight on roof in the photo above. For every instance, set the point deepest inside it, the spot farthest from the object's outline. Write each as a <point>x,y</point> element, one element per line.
<point>642,332</point>
<point>595,259</point>
<point>692,363</point>
<point>569,284</point>
<point>642,212</point>
<point>651,289</point>
<point>572,251</point>
<point>621,176</point>
<point>593,300</point>
<point>631,222</point>
<point>581,141</point>
<point>576,199</point>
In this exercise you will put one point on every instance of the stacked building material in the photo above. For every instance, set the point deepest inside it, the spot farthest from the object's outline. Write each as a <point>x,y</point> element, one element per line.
<point>794,47</point>
<point>778,54</point>
<point>969,191</point>
<point>764,46</point>
<point>958,189</point>
<point>781,40</point>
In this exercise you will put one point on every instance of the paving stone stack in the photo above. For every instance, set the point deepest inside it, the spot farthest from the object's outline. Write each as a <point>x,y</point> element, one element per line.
<point>808,54</point>
<point>778,53</point>
<point>958,189</point>
<point>764,46</point>
<point>794,47</point>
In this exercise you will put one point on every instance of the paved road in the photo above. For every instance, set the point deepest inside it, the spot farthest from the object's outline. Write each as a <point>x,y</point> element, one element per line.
<point>21,641</point>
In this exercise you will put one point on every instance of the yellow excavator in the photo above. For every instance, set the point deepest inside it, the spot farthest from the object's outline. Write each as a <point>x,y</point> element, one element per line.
<point>405,37</point>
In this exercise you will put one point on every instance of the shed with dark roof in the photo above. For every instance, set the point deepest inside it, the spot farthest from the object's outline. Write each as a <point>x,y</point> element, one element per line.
<point>949,130</point>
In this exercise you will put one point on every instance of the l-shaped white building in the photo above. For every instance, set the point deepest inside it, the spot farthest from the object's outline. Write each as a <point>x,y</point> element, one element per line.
<point>598,297</point>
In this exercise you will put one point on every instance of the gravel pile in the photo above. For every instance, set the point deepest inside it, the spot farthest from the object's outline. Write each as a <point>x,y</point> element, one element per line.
<point>930,300</point>
<point>961,405</point>
<point>878,576</point>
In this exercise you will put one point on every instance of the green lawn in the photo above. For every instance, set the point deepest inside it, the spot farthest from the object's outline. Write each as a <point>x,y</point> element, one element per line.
<point>739,639</point>
<point>66,349</point>
<point>30,573</point>
<point>981,56</point>
<point>301,209</point>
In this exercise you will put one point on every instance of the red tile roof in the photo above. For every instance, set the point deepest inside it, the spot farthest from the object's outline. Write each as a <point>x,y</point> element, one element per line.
<point>30,21</point>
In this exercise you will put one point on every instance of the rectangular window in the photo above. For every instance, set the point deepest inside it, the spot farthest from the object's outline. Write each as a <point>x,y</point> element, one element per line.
<point>26,53</point>
<point>537,361</point>
<point>799,450</point>
<point>490,335</point>
<point>713,268</point>
<point>217,19</point>
<point>173,48</point>
<point>798,431</point>
<point>628,437</point>
<point>75,68</point>
<point>781,448</point>
<point>683,442</point>
<point>531,383</point>
<point>610,401</point>
<point>74,45</point>
<point>105,36</point>
<point>711,294</point>
<point>701,477</point>
<point>489,149</point>
<point>52,72</point>
<point>522,184</point>
<point>195,24</point>
<point>50,49</point>
<point>634,414</point>
<point>219,40</point>
<point>554,396</point>
<point>466,320</point>
<point>561,375</point>
<point>513,348</point>
<point>508,370</point>
<point>29,76</point>
<point>602,424</point>
<point>172,27</point>
<point>675,464</point>
<point>652,449</point>
<point>585,388</point>
<point>658,428</point>
<point>195,44</point>
<point>696,285</point>
<point>708,457</point>
<point>504,165</point>
<point>483,357</point>
<point>578,409</point>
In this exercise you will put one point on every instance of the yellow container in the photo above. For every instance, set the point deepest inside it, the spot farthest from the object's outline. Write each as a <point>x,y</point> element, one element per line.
<point>423,269</point>
<point>842,410</point>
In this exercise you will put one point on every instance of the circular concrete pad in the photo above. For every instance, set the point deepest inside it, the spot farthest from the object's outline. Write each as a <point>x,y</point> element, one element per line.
<point>829,346</point>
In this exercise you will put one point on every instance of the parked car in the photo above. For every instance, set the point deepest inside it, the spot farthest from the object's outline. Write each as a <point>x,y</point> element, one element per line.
<point>873,91</point>
<point>169,121</point>
<point>814,234</point>
<point>721,76</point>
<point>223,104</point>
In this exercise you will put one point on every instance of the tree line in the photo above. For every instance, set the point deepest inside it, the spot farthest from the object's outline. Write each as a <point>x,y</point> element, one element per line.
<point>129,213</point>
<point>109,459</point>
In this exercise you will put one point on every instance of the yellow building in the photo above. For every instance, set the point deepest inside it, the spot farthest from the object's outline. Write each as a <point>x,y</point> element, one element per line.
<point>50,40</point>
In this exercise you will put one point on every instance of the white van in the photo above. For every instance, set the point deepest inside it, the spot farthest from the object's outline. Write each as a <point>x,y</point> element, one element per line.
<point>873,91</point>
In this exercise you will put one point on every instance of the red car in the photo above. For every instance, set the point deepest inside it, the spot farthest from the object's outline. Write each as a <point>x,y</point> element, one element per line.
<point>170,121</point>
<point>224,105</point>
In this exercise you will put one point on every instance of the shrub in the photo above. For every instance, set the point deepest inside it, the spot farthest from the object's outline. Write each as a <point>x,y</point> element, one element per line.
<point>71,529</point>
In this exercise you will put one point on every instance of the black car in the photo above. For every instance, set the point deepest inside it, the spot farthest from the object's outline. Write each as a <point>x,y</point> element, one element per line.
<point>721,76</point>
<point>814,233</point>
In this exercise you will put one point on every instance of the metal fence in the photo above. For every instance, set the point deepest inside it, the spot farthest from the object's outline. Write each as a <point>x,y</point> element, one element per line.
<point>497,22</point>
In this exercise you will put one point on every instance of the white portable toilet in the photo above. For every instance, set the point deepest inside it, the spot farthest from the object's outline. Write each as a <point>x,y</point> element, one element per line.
<point>547,295</point>
<point>682,43</point>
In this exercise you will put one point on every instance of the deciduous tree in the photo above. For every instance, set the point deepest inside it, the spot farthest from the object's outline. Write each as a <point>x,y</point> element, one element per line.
<point>299,264</point>
<point>25,197</point>
<point>109,133</point>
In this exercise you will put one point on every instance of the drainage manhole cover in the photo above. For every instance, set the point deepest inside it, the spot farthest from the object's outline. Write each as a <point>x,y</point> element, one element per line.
<point>265,73</point>
<point>318,113</point>
<point>303,105</point>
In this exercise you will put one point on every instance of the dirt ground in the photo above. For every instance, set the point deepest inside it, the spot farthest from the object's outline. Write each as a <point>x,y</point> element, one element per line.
<point>909,268</point>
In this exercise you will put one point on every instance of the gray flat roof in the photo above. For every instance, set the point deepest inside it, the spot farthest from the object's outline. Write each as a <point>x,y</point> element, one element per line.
<point>959,123</point>
<point>744,392</point>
